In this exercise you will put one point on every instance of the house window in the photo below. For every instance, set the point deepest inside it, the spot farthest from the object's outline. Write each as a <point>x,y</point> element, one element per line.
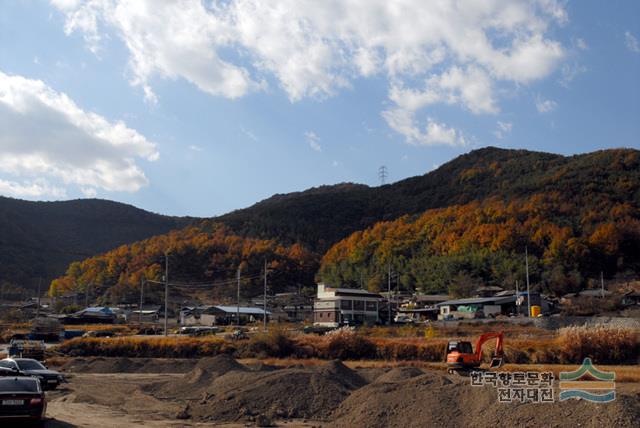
<point>345,304</point>
<point>358,305</point>
<point>371,306</point>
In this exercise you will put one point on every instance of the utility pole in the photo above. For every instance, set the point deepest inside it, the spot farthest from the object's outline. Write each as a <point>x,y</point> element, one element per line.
<point>264,301</point>
<point>238,297</point>
<point>516,296</point>
<point>38,302</point>
<point>602,283</point>
<point>166,291</point>
<point>86,296</point>
<point>141,299</point>
<point>389,292</point>
<point>526,259</point>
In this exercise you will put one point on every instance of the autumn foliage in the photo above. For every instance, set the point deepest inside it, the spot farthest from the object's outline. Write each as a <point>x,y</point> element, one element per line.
<point>568,240</point>
<point>463,225</point>
<point>207,253</point>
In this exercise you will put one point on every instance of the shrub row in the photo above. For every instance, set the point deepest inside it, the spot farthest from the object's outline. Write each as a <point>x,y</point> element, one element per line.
<point>603,344</point>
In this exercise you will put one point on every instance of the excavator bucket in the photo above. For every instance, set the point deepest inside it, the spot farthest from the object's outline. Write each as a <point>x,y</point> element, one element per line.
<point>496,363</point>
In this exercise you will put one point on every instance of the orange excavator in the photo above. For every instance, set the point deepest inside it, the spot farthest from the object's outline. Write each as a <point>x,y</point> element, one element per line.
<point>461,357</point>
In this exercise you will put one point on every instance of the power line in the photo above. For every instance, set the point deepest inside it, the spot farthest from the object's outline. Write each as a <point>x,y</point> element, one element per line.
<point>205,285</point>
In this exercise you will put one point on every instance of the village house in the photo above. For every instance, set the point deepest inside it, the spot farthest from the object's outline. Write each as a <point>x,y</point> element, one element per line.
<point>209,315</point>
<point>476,307</point>
<point>344,306</point>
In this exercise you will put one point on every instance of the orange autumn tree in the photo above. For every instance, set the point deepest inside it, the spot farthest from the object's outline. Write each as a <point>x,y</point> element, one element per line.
<point>568,241</point>
<point>205,253</point>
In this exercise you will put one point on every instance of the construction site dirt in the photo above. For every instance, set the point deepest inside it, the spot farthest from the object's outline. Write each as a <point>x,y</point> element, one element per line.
<point>220,391</point>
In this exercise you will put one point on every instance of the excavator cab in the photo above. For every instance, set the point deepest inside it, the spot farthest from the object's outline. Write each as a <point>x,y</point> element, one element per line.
<point>461,356</point>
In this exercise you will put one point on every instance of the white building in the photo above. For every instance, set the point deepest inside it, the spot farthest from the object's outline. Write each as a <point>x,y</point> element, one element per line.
<point>338,306</point>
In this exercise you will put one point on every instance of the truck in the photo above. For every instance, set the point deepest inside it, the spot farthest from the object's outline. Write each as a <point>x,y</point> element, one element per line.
<point>24,348</point>
<point>47,329</point>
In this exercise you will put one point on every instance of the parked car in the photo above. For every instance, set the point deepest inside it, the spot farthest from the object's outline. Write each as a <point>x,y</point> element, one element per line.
<point>4,371</point>
<point>198,330</point>
<point>21,398</point>
<point>50,379</point>
<point>99,333</point>
<point>402,319</point>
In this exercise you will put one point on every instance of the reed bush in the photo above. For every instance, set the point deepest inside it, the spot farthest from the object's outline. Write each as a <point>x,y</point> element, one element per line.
<point>604,344</point>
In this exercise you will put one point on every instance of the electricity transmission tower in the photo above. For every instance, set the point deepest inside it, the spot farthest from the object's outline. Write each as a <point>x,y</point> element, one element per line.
<point>382,174</point>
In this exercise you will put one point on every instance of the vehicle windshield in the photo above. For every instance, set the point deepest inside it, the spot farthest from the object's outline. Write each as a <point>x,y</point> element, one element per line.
<point>30,365</point>
<point>465,348</point>
<point>18,385</point>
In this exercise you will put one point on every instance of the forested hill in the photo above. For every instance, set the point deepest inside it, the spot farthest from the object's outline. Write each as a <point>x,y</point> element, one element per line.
<point>319,217</point>
<point>578,214</point>
<point>40,239</point>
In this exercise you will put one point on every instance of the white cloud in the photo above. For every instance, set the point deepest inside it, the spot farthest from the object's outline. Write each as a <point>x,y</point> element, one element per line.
<point>581,44</point>
<point>45,135</point>
<point>632,42</point>
<point>568,72</point>
<point>89,192</point>
<point>31,189</point>
<point>545,106</point>
<point>316,48</point>
<point>195,148</point>
<point>313,140</point>
<point>434,133</point>
<point>168,39</point>
<point>504,128</point>
<point>249,134</point>
<point>470,87</point>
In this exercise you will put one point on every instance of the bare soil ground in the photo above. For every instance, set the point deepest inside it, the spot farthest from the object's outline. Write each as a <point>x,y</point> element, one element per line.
<point>220,391</point>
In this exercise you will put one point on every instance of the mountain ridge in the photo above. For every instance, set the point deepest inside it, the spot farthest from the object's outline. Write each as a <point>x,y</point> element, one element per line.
<point>38,239</point>
<point>313,221</point>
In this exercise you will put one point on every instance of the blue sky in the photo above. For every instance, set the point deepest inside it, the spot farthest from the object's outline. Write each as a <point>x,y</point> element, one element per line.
<point>200,108</point>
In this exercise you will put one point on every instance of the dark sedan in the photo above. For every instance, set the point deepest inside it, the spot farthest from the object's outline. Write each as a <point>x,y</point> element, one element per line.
<point>21,398</point>
<point>50,379</point>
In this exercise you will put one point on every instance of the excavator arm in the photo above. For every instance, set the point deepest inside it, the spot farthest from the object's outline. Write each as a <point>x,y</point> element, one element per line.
<point>497,359</point>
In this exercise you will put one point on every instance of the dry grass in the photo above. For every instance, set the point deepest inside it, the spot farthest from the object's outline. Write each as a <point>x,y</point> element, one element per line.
<point>117,328</point>
<point>604,345</point>
<point>161,347</point>
<point>467,329</point>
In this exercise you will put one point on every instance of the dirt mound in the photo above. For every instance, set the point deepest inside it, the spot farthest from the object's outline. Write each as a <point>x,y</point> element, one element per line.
<point>219,365</point>
<point>400,374</point>
<point>228,391</point>
<point>343,374</point>
<point>198,381</point>
<point>127,365</point>
<point>436,400</point>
